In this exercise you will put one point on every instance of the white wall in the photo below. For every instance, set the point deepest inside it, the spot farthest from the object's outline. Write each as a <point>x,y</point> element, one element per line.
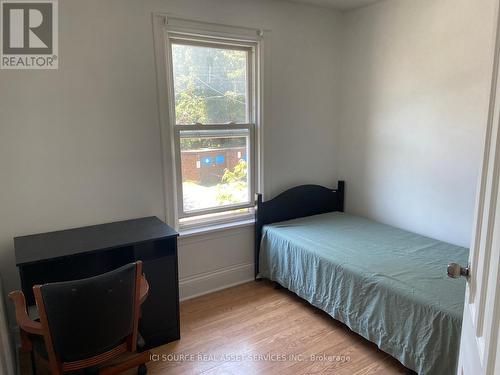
<point>81,145</point>
<point>415,85</point>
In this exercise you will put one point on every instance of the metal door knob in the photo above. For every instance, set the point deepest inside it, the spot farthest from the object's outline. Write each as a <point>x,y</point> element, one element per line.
<point>455,270</point>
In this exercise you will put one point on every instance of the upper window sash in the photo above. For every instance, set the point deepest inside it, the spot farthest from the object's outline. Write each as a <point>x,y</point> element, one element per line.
<point>211,42</point>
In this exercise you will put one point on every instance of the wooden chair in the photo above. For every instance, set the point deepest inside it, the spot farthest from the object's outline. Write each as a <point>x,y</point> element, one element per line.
<point>84,323</point>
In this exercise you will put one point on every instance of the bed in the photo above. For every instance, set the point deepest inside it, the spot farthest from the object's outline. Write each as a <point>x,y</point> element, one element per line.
<point>386,284</point>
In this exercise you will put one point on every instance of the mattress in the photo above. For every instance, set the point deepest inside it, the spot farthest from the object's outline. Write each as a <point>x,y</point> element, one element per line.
<point>386,284</point>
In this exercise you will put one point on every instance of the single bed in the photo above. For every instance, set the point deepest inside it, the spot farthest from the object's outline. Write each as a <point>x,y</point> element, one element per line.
<point>386,284</point>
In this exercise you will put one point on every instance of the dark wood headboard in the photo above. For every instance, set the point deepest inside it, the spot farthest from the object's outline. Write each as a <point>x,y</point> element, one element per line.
<point>299,201</point>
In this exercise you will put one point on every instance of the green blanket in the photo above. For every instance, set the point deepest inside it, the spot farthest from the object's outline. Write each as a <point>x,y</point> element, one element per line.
<point>386,284</point>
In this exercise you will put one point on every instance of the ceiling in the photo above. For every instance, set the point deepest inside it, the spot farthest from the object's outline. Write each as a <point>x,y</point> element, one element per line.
<point>338,4</point>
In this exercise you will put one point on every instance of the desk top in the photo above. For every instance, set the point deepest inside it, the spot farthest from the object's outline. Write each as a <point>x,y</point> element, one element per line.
<point>44,246</point>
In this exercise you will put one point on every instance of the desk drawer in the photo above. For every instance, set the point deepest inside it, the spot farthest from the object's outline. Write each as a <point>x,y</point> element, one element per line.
<point>156,249</point>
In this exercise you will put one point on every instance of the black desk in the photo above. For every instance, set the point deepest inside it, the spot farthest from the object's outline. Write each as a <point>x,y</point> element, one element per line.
<point>89,251</point>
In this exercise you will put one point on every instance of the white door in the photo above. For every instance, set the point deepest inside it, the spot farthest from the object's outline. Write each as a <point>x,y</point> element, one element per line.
<point>480,345</point>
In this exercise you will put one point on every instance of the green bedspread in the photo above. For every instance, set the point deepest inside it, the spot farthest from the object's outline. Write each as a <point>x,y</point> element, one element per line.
<point>386,284</point>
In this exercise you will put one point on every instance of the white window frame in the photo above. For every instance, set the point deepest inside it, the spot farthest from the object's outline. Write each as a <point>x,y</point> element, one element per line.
<point>167,30</point>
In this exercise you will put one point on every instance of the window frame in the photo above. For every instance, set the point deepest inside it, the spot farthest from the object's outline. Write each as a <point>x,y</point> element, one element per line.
<point>168,30</point>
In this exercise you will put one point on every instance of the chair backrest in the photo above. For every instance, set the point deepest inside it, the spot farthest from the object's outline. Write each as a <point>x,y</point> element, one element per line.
<point>90,316</point>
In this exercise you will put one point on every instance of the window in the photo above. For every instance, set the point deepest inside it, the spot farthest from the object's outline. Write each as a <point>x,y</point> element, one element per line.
<point>213,105</point>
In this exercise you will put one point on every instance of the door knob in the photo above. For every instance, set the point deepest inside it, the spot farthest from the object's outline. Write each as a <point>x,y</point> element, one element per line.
<point>455,270</point>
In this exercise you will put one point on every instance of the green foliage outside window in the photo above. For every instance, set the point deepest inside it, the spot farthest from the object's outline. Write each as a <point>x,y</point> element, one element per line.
<point>233,183</point>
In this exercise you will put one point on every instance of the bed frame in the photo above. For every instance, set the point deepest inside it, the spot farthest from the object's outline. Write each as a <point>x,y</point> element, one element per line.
<point>299,201</point>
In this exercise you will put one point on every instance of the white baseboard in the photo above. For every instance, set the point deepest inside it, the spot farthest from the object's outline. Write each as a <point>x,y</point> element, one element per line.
<point>207,282</point>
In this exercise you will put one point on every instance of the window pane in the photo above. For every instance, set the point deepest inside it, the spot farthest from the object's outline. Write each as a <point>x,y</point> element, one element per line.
<point>214,170</point>
<point>210,85</point>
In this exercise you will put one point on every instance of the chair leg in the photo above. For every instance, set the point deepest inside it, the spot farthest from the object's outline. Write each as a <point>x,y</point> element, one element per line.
<point>136,361</point>
<point>33,362</point>
<point>94,370</point>
<point>142,369</point>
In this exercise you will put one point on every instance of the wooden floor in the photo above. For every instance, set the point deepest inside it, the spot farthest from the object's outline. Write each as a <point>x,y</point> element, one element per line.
<point>257,329</point>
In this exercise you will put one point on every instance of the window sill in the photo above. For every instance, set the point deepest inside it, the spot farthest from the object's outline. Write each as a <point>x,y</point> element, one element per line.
<point>190,232</point>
